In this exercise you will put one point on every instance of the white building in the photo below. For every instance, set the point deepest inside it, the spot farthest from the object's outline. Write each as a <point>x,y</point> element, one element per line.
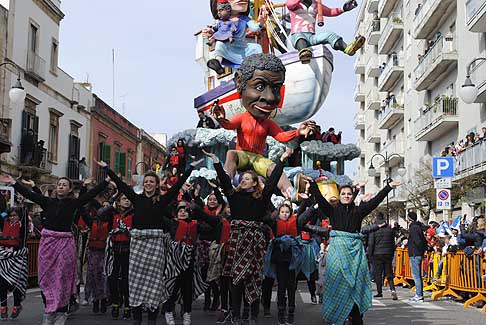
<point>56,109</point>
<point>416,55</point>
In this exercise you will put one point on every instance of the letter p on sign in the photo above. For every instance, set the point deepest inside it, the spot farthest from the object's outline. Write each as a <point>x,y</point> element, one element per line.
<point>442,167</point>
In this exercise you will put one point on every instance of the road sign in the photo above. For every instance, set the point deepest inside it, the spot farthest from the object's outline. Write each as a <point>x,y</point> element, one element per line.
<point>442,167</point>
<point>443,199</point>
<point>445,182</point>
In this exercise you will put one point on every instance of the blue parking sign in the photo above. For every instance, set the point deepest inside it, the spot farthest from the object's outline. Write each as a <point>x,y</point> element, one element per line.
<point>442,167</point>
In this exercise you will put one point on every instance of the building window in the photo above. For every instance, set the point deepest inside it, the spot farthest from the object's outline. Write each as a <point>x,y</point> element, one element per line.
<point>53,136</point>
<point>74,153</point>
<point>33,37</point>
<point>120,166</point>
<point>54,55</point>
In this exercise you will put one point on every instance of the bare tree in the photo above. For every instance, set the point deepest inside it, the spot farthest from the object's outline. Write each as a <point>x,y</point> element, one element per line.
<point>421,191</point>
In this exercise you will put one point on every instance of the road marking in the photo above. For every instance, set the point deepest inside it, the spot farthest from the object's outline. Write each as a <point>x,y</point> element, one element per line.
<point>377,303</point>
<point>422,305</point>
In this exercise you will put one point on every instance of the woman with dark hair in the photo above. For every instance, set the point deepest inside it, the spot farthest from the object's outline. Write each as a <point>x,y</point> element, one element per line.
<point>13,260</point>
<point>57,250</point>
<point>151,248</point>
<point>347,293</point>
<point>181,152</point>
<point>188,226</point>
<point>248,203</point>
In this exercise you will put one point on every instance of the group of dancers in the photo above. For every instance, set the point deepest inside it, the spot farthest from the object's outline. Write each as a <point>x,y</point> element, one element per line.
<point>146,247</point>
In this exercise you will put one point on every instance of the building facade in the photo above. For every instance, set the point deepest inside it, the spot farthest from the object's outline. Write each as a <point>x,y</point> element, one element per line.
<point>408,80</point>
<point>113,139</point>
<point>152,153</point>
<point>51,128</point>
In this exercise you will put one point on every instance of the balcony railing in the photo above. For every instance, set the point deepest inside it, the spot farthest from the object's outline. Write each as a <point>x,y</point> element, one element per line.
<point>34,157</point>
<point>388,109</point>
<point>36,66</point>
<point>73,169</point>
<point>359,94</point>
<point>391,68</point>
<point>476,15</point>
<point>391,32</point>
<point>472,160</point>
<point>444,107</point>
<point>373,33</point>
<point>441,46</point>
<point>385,7</point>
<point>372,135</point>
<point>428,15</point>
<point>359,121</point>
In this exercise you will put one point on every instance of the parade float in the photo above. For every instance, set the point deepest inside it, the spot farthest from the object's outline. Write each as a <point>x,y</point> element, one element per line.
<point>302,96</point>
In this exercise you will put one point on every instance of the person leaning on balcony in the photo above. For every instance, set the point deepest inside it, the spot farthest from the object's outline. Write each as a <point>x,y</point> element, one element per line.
<point>416,249</point>
<point>483,136</point>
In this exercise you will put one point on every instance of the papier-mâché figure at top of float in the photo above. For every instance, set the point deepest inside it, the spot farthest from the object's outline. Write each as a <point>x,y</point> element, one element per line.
<point>303,15</point>
<point>232,54</point>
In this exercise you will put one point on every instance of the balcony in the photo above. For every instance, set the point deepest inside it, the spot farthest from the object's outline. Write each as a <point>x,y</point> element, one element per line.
<point>478,76</point>
<point>437,62</point>
<point>373,5</point>
<point>385,7</point>
<point>359,121</point>
<point>471,161</point>
<point>36,66</point>
<point>437,119</point>
<point>392,72</point>
<point>373,67</point>
<point>393,146</point>
<point>5,127</point>
<point>359,66</point>
<point>73,169</point>
<point>359,95</point>
<point>427,18</point>
<point>373,34</point>
<point>372,134</point>
<point>476,15</point>
<point>390,116</point>
<point>373,101</point>
<point>33,159</point>
<point>391,34</point>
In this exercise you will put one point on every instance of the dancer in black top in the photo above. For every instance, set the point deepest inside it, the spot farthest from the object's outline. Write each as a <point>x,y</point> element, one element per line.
<point>248,203</point>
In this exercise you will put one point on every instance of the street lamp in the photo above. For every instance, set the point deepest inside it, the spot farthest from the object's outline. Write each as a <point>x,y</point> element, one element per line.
<point>401,171</point>
<point>17,92</point>
<point>469,91</point>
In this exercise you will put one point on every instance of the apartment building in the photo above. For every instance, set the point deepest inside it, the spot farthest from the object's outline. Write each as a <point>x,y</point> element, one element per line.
<point>51,128</point>
<point>408,80</point>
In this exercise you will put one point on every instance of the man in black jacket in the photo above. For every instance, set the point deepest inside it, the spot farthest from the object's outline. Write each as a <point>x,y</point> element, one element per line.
<point>416,249</point>
<point>381,248</point>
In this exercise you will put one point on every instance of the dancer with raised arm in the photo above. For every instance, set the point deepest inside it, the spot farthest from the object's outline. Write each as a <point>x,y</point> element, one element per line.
<point>248,203</point>
<point>347,283</point>
<point>150,244</point>
<point>57,250</point>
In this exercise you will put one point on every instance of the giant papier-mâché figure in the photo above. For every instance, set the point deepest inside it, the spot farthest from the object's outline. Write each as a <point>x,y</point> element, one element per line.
<point>303,15</point>
<point>259,82</point>
<point>233,53</point>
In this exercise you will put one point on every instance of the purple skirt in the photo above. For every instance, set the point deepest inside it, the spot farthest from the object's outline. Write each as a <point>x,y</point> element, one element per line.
<point>96,281</point>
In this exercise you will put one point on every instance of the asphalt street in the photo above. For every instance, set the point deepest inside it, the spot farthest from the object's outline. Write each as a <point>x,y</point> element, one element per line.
<point>384,311</point>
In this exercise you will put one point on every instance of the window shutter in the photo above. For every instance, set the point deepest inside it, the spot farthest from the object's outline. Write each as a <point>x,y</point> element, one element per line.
<point>117,162</point>
<point>36,126</point>
<point>24,122</point>
<point>123,165</point>
<point>107,154</point>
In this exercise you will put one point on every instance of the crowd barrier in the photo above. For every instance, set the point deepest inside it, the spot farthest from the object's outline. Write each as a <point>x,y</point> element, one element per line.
<point>461,276</point>
<point>33,246</point>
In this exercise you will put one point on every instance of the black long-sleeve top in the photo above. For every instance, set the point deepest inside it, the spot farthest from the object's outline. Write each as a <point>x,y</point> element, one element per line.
<point>150,213</point>
<point>60,214</point>
<point>243,205</point>
<point>348,217</point>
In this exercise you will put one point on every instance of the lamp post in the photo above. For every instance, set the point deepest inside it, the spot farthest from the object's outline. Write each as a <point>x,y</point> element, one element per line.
<point>17,92</point>
<point>386,159</point>
<point>469,91</point>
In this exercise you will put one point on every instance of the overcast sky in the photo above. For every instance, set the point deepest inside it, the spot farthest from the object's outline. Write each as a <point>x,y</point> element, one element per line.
<point>156,76</point>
